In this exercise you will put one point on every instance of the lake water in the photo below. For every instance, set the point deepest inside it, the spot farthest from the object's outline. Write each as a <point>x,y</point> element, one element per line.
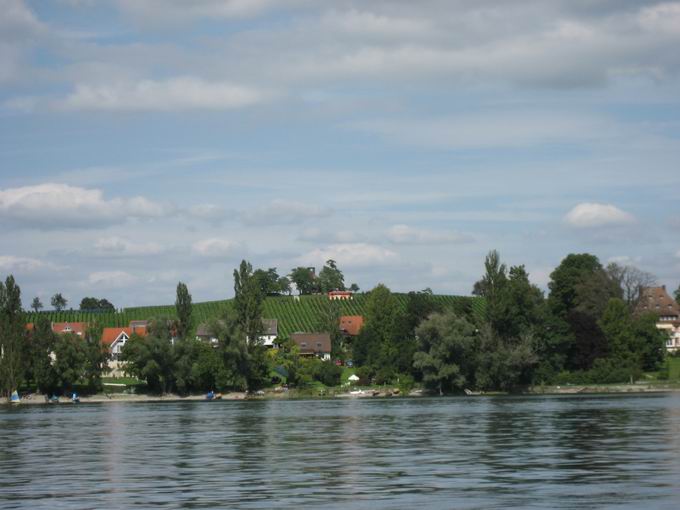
<point>538,452</point>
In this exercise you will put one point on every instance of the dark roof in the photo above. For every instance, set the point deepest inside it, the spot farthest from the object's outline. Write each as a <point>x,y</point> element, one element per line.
<point>205,329</point>
<point>657,300</point>
<point>312,342</point>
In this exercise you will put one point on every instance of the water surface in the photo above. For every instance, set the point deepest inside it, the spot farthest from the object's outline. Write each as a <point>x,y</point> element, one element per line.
<point>537,452</point>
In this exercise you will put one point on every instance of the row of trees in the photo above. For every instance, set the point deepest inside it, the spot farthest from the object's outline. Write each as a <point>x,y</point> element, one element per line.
<point>87,304</point>
<point>587,330</point>
<point>51,362</point>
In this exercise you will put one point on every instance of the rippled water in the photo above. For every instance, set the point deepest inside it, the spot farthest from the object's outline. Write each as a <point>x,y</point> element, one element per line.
<point>552,452</point>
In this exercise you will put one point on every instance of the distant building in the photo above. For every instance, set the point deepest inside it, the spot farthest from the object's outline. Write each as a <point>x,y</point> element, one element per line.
<point>76,328</point>
<point>114,339</point>
<point>351,325</point>
<point>313,344</point>
<point>340,294</point>
<point>658,301</point>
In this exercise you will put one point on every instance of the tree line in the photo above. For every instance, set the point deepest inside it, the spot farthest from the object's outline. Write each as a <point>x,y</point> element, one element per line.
<point>585,330</point>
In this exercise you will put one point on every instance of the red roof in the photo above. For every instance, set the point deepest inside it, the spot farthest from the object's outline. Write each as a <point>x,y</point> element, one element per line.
<point>109,335</point>
<point>78,328</point>
<point>351,324</point>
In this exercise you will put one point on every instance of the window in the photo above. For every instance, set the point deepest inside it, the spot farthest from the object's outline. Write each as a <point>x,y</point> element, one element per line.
<point>303,344</point>
<point>318,344</point>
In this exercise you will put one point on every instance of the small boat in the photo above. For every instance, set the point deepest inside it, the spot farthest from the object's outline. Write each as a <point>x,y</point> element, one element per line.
<point>471,393</point>
<point>14,399</point>
<point>75,398</point>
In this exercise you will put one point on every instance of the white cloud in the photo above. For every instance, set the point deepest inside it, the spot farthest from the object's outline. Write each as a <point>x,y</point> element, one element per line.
<point>593,215</point>
<point>12,264</point>
<point>111,279</point>
<point>281,212</point>
<point>181,93</point>
<point>216,247</point>
<point>350,255</point>
<point>120,247</point>
<point>59,205</point>
<point>404,234</point>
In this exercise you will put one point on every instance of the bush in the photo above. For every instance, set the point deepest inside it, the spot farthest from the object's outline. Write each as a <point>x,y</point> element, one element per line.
<point>328,373</point>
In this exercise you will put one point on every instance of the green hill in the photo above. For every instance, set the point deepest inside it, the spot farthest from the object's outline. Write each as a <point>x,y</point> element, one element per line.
<point>293,314</point>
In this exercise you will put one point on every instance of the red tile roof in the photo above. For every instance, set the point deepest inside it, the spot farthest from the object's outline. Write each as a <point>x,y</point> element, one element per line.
<point>657,300</point>
<point>351,324</point>
<point>78,328</point>
<point>109,335</point>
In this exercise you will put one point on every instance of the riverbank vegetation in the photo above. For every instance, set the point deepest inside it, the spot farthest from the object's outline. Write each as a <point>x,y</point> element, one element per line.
<point>508,337</point>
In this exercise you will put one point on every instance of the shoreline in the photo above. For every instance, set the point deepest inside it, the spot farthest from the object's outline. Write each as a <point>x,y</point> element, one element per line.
<point>613,389</point>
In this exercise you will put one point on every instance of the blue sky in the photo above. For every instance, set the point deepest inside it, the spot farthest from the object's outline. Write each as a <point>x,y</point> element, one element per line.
<point>144,142</point>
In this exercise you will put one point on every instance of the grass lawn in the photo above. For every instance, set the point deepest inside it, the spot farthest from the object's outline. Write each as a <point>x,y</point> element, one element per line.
<point>346,372</point>
<point>673,368</point>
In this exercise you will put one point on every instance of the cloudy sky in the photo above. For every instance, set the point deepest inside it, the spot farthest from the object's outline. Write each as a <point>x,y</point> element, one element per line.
<point>143,142</point>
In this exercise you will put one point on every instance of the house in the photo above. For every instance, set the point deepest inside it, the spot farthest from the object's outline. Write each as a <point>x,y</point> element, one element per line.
<point>114,339</point>
<point>658,301</point>
<point>313,344</point>
<point>340,294</point>
<point>350,325</point>
<point>270,330</point>
<point>76,328</point>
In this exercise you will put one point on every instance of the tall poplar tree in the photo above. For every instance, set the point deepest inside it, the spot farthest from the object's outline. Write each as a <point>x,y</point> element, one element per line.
<point>12,331</point>
<point>184,308</point>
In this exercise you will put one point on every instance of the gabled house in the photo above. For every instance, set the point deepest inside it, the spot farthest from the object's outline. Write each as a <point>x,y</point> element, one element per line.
<point>313,344</point>
<point>351,325</point>
<point>658,301</point>
<point>114,339</point>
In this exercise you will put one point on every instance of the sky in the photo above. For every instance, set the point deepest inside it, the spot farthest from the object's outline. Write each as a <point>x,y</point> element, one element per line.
<point>146,142</point>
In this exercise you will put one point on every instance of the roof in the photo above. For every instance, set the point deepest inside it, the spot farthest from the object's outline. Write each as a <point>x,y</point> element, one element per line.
<point>312,343</point>
<point>657,300</point>
<point>351,324</point>
<point>110,335</point>
<point>205,329</point>
<point>78,328</point>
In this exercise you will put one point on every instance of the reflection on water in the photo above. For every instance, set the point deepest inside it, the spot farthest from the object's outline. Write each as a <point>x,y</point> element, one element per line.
<point>552,452</point>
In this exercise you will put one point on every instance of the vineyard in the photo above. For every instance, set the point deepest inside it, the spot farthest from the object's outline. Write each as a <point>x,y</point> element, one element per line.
<point>293,313</point>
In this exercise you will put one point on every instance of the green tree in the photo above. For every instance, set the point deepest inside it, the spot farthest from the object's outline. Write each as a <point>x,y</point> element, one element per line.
<point>331,278</point>
<point>677,295</point>
<point>183,308</point>
<point>304,279</point>
<point>248,302</point>
<point>92,304</point>
<point>630,281</point>
<point>71,360</point>
<point>267,281</point>
<point>36,304</point>
<point>379,343</point>
<point>42,346</point>
<point>152,358</point>
<point>96,357</point>
<point>446,353</point>
<point>59,302</point>
<point>354,287</point>
<point>283,285</point>
<point>12,334</point>
<point>328,321</point>
<point>579,292</point>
